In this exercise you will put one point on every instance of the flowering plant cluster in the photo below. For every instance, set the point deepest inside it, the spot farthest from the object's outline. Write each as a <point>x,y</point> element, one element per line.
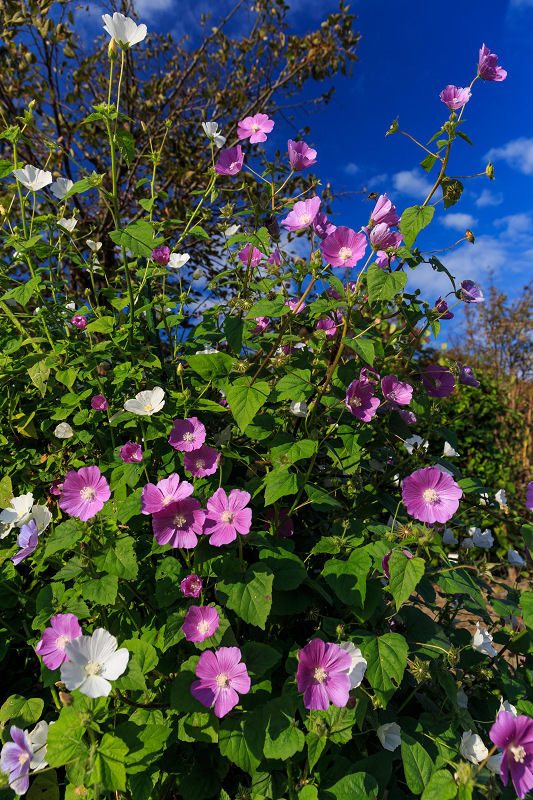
<point>241,579</point>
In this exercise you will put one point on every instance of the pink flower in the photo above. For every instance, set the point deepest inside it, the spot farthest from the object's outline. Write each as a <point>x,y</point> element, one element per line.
<point>360,400</point>
<point>529,496</point>
<point>466,376</point>
<point>386,559</point>
<point>187,434</point>
<point>300,155</point>
<point>227,515</point>
<point>99,403</point>
<point>27,540</point>
<point>322,227</point>
<point>169,490</point>
<point>487,69</point>
<point>384,211</point>
<point>344,247</point>
<point>275,258</point>
<point>255,127</point>
<point>327,325</point>
<point>79,321</point>
<point>322,675</point>
<point>384,260</point>
<point>381,237</point>
<point>442,307</point>
<point>295,306</point>
<point>285,525</point>
<point>200,623</point>
<point>84,493</point>
<point>230,161</point>
<point>131,453</point>
<point>369,375</point>
<point>438,381</point>
<point>56,487</point>
<point>222,678</point>
<point>201,462</point>
<point>408,416</point>
<point>455,97</point>
<point>255,257</point>
<point>471,292</point>
<point>514,735</point>
<point>51,646</point>
<point>397,391</point>
<point>302,214</point>
<point>161,255</point>
<point>191,586</point>
<point>262,324</point>
<point>431,495</point>
<point>179,523</point>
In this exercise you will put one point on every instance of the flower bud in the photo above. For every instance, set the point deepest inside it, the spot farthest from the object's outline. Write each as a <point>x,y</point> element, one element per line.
<point>112,50</point>
<point>490,171</point>
<point>470,236</point>
<point>272,226</point>
<point>197,274</point>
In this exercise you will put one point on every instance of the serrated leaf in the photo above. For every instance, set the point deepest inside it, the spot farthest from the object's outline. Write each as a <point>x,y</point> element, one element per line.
<point>279,483</point>
<point>249,595</point>
<point>102,590</point>
<point>64,537</point>
<point>363,347</point>
<point>413,220</point>
<point>211,365</point>
<point>296,385</point>
<point>126,144</point>
<point>387,658</point>
<point>199,232</point>
<point>404,575</point>
<point>359,786</point>
<point>137,237</point>
<point>268,308</point>
<point>66,738</point>
<point>526,604</point>
<point>428,162</point>
<point>109,769</point>
<point>245,401</point>
<point>282,736</point>
<point>242,741</point>
<point>348,578</point>
<point>22,712</point>
<point>464,137</point>
<point>22,294</point>
<point>119,559</point>
<point>441,786</point>
<point>417,764</point>
<point>101,325</point>
<point>233,330</point>
<point>384,286</point>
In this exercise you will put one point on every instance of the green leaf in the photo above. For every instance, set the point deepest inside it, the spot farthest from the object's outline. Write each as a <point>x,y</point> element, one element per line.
<point>387,658</point>
<point>296,385</point>
<point>282,736</point>
<point>315,747</point>
<point>464,137</point>
<point>137,237</point>
<point>119,559</point>
<point>268,308</point>
<point>81,186</point>
<point>417,764</point>
<point>38,373</point>
<point>249,595</point>
<point>67,376</point>
<point>383,286</point>
<point>279,483</point>
<point>245,401</point>
<point>359,786</point>
<point>109,769</point>
<point>441,786</point>
<point>66,738</point>
<point>21,712</point>
<point>289,571</point>
<point>64,537</point>
<point>6,168</point>
<point>242,741</point>
<point>412,222</point>
<point>22,294</point>
<point>101,325</point>
<point>526,603</point>
<point>404,575</point>
<point>126,144</point>
<point>102,590</point>
<point>348,578</point>
<point>363,347</point>
<point>199,232</point>
<point>144,653</point>
<point>259,658</point>
<point>43,786</point>
<point>428,162</point>
<point>233,330</point>
<point>212,365</point>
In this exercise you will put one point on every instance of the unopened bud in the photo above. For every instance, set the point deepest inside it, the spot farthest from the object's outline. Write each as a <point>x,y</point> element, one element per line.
<point>272,226</point>
<point>179,369</point>
<point>66,698</point>
<point>470,236</point>
<point>112,50</point>
<point>490,171</point>
<point>197,274</point>
<point>143,126</point>
<point>393,128</point>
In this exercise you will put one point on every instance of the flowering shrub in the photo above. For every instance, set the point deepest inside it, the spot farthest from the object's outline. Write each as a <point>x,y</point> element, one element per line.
<point>237,580</point>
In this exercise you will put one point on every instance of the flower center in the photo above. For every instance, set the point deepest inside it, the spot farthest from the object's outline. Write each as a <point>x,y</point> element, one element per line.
<point>255,127</point>
<point>355,402</point>
<point>438,383</point>
<point>305,219</point>
<point>345,253</point>
<point>179,520</point>
<point>200,464</point>
<point>23,758</point>
<point>61,642</point>
<point>166,500</point>
<point>430,496</point>
<point>393,395</point>
<point>228,517</point>
<point>518,752</point>
<point>320,674</point>
<point>222,680</point>
<point>188,437</point>
<point>87,493</point>
<point>203,626</point>
<point>92,667</point>
<point>233,165</point>
<point>148,407</point>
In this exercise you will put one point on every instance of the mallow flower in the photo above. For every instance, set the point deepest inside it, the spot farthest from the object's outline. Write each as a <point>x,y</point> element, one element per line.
<point>200,623</point>
<point>322,675</point>
<point>146,403</point>
<point>222,677</point>
<point>124,30</point>
<point>300,155</point>
<point>61,187</point>
<point>384,211</point>
<point>255,127</point>
<point>33,178</point>
<point>487,68</point>
<point>84,493</point>
<point>51,646</point>
<point>303,213</point>
<point>211,131</point>
<point>230,161</point>
<point>515,559</point>
<point>482,642</point>
<point>455,97</point>
<point>430,495</point>
<point>357,669</point>
<point>226,516</point>
<point>18,514</point>
<point>390,735</point>
<point>93,662</point>
<point>514,735</point>
<point>472,747</point>
<point>344,247</point>
<point>15,760</point>
<point>27,541</point>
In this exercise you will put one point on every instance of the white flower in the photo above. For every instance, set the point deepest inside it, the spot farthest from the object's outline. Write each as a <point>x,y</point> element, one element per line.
<point>358,668</point>
<point>501,497</point>
<point>449,452</point>
<point>484,499</point>
<point>462,699</point>
<point>71,306</point>
<point>124,30</point>
<point>480,539</point>
<point>505,705</point>
<point>61,187</point>
<point>94,246</point>
<point>177,260</point>
<point>38,738</point>
<point>415,441</point>
<point>146,403</point>
<point>472,748</point>
<point>481,642</point>
<point>514,558</point>
<point>210,130</point>
<point>448,537</point>
<point>94,661</point>
<point>206,351</point>
<point>299,409</point>
<point>33,178</point>
<point>63,431</point>
<point>19,513</point>
<point>390,735</point>
<point>467,544</point>
<point>232,230</point>
<point>42,517</point>
<point>68,224</point>
<point>494,763</point>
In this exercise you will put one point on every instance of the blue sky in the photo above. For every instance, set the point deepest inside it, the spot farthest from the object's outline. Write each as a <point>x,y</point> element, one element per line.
<point>408,53</point>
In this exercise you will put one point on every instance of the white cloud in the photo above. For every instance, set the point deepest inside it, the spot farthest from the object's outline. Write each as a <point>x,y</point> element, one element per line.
<point>413,183</point>
<point>521,4</point>
<point>377,179</point>
<point>488,198</point>
<point>458,221</point>
<point>516,226</point>
<point>351,168</point>
<point>518,154</point>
